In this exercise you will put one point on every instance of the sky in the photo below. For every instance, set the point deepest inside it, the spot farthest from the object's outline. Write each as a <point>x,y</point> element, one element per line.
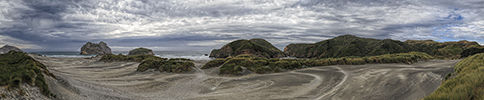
<point>203,25</point>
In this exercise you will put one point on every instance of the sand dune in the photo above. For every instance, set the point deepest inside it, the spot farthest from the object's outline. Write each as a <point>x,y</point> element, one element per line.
<point>89,79</point>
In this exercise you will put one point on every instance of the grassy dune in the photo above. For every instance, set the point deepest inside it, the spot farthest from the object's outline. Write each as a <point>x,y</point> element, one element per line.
<point>468,83</point>
<point>236,65</point>
<point>173,65</point>
<point>19,67</point>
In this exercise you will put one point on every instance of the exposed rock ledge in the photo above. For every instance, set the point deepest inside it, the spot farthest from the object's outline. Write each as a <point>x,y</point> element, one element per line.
<point>94,48</point>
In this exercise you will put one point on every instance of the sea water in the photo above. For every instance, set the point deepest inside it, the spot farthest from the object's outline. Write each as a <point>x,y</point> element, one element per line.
<point>194,55</point>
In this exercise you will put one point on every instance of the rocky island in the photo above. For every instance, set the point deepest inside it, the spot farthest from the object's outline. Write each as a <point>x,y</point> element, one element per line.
<point>93,48</point>
<point>257,47</point>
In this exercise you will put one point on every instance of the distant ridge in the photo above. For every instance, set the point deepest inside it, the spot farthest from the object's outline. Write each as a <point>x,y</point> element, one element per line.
<point>350,45</point>
<point>7,48</point>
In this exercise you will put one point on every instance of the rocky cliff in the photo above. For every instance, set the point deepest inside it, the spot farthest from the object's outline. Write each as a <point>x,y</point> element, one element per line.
<point>7,48</point>
<point>257,47</point>
<point>349,45</point>
<point>93,48</point>
<point>141,51</point>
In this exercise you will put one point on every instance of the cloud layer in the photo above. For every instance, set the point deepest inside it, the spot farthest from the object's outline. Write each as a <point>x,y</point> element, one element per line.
<point>207,24</point>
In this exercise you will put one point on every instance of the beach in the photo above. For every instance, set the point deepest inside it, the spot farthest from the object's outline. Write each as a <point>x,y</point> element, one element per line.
<point>80,78</point>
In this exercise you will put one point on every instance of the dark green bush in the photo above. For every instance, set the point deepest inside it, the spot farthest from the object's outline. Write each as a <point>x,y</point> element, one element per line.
<point>163,65</point>
<point>173,65</point>
<point>264,65</point>
<point>213,63</point>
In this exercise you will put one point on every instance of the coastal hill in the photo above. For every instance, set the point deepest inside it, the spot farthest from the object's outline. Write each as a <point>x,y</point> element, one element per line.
<point>257,47</point>
<point>19,74</point>
<point>141,51</point>
<point>94,48</point>
<point>349,45</point>
<point>7,48</point>
<point>457,49</point>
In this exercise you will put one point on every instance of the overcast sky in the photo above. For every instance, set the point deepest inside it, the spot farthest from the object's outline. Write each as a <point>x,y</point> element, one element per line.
<point>194,25</point>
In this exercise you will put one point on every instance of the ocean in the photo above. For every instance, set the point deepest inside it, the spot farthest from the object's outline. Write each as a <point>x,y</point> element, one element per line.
<point>194,55</point>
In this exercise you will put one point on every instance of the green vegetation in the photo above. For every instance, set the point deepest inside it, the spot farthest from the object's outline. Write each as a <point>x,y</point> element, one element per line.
<point>213,63</point>
<point>346,45</point>
<point>349,45</point>
<point>468,83</point>
<point>472,51</point>
<point>173,65</point>
<point>19,67</point>
<point>442,50</point>
<point>131,58</point>
<point>141,51</point>
<point>237,65</point>
<point>257,47</point>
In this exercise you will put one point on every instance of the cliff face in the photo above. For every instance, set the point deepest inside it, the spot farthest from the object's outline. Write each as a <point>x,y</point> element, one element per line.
<point>257,47</point>
<point>141,51</point>
<point>349,45</point>
<point>93,48</point>
<point>7,48</point>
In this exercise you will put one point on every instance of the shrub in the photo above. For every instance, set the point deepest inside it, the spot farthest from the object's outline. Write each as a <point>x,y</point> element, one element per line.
<point>213,63</point>
<point>173,65</point>
<point>163,65</point>
<point>264,65</point>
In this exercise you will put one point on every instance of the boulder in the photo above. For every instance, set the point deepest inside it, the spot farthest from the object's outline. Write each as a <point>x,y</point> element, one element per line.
<point>141,51</point>
<point>7,48</point>
<point>94,48</point>
<point>256,47</point>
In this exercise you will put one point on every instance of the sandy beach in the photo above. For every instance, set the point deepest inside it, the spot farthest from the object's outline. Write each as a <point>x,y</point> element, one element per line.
<point>81,79</point>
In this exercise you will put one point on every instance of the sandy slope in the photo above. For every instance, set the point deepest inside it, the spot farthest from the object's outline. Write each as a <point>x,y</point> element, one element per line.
<point>89,79</point>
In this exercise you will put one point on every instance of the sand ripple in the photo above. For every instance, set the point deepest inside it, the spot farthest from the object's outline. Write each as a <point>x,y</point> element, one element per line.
<point>89,79</point>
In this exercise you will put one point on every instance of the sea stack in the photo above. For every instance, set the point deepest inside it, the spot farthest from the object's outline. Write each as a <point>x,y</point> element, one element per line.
<point>141,51</point>
<point>94,49</point>
<point>256,47</point>
<point>7,48</point>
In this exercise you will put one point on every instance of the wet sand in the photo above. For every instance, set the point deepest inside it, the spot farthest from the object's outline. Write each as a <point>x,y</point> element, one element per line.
<point>81,79</point>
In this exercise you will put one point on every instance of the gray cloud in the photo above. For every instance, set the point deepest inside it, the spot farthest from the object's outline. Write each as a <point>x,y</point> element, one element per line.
<point>205,25</point>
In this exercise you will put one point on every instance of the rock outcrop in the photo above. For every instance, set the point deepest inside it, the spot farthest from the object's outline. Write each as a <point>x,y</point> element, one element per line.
<point>94,49</point>
<point>141,51</point>
<point>349,45</point>
<point>256,47</point>
<point>7,48</point>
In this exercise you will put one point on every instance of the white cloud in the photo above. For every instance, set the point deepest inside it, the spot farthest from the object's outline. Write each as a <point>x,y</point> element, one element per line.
<point>221,21</point>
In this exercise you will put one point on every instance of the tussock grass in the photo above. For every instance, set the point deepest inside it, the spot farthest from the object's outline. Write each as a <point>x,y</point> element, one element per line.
<point>468,83</point>
<point>235,65</point>
<point>19,67</point>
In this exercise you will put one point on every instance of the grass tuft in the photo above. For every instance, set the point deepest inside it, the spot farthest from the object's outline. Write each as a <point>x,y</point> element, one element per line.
<point>18,67</point>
